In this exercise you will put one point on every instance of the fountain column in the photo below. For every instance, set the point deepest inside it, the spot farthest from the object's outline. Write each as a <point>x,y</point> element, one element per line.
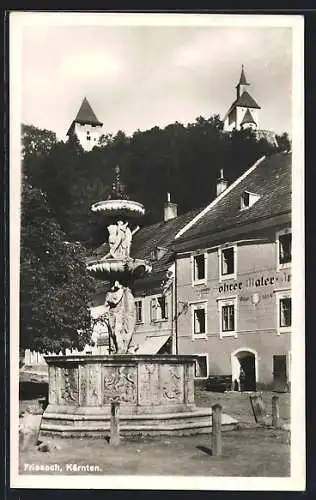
<point>118,267</point>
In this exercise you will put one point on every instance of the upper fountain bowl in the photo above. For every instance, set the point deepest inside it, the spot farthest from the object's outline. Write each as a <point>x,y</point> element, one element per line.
<point>120,269</point>
<point>123,208</point>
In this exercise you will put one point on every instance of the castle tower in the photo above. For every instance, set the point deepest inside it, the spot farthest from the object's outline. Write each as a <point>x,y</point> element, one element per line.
<point>244,112</point>
<point>86,126</point>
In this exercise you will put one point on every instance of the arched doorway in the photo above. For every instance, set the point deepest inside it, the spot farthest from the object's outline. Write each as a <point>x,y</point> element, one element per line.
<point>244,369</point>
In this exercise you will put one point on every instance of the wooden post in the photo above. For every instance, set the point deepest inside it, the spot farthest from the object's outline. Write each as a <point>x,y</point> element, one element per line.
<point>115,423</point>
<point>216,430</point>
<point>275,412</point>
<point>258,408</point>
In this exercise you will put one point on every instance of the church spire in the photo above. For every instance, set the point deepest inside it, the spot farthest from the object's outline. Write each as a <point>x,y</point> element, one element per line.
<point>242,84</point>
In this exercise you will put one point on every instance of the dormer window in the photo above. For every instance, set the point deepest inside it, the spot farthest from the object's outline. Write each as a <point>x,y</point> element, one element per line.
<point>248,199</point>
<point>158,252</point>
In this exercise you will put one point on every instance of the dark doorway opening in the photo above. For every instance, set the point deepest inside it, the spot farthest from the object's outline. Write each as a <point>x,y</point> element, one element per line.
<point>248,368</point>
<point>280,378</point>
<point>244,370</point>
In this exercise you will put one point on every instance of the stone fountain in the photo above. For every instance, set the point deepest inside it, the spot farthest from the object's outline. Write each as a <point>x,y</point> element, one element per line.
<point>156,392</point>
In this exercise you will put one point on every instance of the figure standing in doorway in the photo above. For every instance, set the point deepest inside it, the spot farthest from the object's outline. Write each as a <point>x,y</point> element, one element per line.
<point>242,378</point>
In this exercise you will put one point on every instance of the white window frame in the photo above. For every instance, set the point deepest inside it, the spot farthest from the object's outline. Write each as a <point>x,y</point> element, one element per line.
<point>202,355</point>
<point>282,294</point>
<point>142,309</point>
<point>200,304</point>
<point>203,280</point>
<point>155,298</point>
<point>253,198</point>
<point>278,234</point>
<point>232,276</point>
<point>227,301</point>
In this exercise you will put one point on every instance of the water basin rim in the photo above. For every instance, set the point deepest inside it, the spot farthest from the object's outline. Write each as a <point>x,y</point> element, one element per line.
<point>116,358</point>
<point>113,205</point>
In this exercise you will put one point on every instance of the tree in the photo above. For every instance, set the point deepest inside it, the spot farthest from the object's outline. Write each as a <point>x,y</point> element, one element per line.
<point>55,288</point>
<point>182,160</point>
<point>37,141</point>
<point>284,142</point>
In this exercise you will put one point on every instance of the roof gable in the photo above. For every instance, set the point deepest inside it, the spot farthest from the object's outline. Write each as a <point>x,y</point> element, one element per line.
<point>246,101</point>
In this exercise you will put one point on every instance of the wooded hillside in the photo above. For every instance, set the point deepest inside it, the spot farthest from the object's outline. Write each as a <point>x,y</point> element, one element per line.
<point>182,160</point>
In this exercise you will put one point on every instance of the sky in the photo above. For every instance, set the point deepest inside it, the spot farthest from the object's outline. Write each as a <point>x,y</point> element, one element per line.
<point>138,77</point>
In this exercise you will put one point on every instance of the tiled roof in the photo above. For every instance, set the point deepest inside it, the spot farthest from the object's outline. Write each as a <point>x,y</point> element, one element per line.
<point>270,179</point>
<point>248,118</point>
<point>85,115</point>
<point>160,234</point>
<point>246,101</point>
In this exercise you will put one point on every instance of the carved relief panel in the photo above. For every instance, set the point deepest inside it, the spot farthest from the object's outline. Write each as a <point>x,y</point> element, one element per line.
<point>53,385</point>
<point>68,380</point>
<point>172,385</point>
<point>93,394</point>
<point>148,390</point>
<point>119,381</point>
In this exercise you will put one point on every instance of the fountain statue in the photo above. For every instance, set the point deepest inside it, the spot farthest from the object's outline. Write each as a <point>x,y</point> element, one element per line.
<point>118,267</point>
<point>156,391</point>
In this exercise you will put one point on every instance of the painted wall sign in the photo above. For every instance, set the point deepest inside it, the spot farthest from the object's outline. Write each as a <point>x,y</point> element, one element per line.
<point>254,282</point>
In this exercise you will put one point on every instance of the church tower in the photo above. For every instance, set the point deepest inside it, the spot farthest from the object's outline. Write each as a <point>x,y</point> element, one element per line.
<point>86,127</point>
<point>244,112</point>
<point>242,84</point>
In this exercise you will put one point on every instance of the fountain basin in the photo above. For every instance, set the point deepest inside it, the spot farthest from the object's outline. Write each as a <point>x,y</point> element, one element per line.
<point>119,269</point>
<point>156,395</point>
<point>134,267</point>
<point>120,208</point>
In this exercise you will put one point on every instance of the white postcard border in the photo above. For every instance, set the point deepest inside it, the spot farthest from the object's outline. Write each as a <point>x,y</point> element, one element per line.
<point>296,482</point>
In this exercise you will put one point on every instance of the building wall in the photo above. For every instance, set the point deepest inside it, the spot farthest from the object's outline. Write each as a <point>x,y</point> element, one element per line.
<point>230,121</point>
<point>255,290</point>
<point>150,327</point>
<point>234,119</point>
<point>83,131</point>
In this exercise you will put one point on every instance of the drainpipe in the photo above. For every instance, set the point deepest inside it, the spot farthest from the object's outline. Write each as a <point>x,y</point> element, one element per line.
<point>172,319</point>
<point>176,304</point>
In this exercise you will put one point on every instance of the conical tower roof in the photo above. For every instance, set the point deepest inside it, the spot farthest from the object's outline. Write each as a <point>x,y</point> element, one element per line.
<point>243,79</point>
<point>248,118</point>
<point>86,114</point>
